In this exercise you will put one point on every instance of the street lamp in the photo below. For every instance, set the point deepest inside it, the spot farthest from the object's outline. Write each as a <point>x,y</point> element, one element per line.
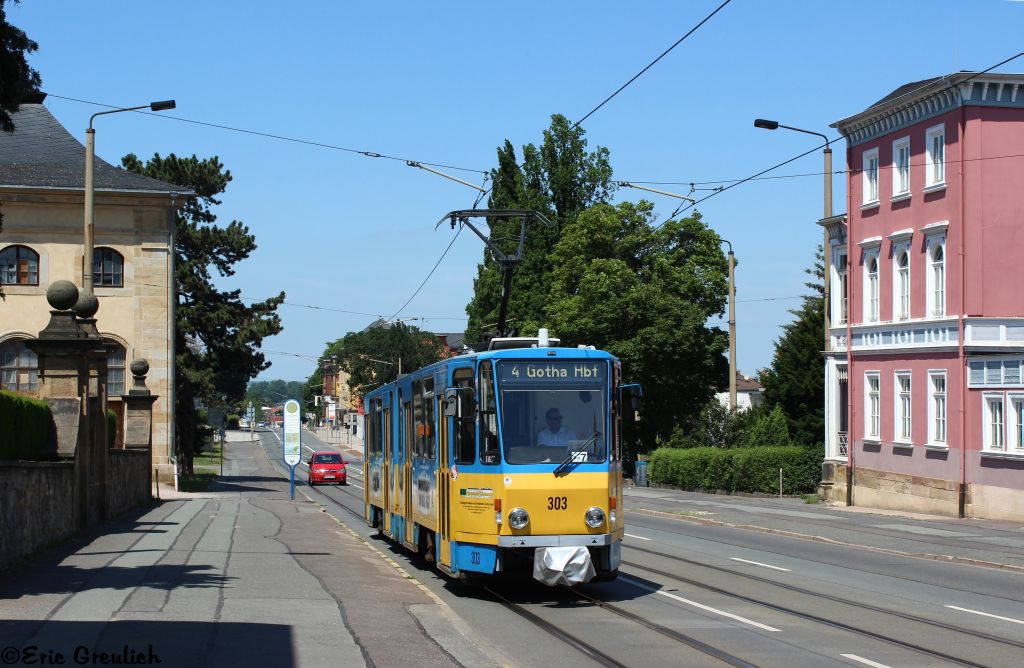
<point>732,317</point>
<point>775,125</point>
<point>90,155</point>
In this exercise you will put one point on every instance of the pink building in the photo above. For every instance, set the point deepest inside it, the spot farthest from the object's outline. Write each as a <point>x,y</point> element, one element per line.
<point>924,381</point>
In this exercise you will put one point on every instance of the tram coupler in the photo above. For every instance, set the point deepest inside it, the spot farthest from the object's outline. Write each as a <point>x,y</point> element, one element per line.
<point>567,565</point>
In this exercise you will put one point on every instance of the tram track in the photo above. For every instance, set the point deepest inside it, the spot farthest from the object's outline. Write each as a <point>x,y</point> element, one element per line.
<point>881,637</point>
<point>346,496</point>
<point>829,597</point>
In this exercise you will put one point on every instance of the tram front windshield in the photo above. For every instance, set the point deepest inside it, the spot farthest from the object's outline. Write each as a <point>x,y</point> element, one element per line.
<point>553,411</point>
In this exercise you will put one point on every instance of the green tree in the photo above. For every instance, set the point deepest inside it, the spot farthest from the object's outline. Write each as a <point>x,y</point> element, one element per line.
<point>796,379</point>
<point>217,336</point>
<point>375,356</point>
<point>559,179</point>
<point>769,429</point>
<point>645,294</point>
<point>18,81</point>
<point>271,393</point>
<point>718,427</point>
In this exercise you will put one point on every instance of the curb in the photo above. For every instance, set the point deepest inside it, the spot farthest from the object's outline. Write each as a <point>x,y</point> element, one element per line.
<point>949,558</point>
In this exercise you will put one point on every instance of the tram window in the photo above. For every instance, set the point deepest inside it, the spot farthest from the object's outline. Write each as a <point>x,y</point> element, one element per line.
<point>490,452</point>
<point>429,437</point>
<point>407,429</point>
<point>417,419</point>
<point>616,444</point>
<point>465,430</point>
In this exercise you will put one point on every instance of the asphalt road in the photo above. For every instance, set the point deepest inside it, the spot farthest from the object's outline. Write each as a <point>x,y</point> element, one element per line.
<point>691,594</point>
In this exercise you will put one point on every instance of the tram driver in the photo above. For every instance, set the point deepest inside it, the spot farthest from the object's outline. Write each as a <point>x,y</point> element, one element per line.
<point>555,435</point>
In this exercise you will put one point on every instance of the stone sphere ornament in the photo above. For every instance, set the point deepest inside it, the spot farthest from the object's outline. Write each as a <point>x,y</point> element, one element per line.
<point>139,367</point>
<point>62,295</point>
<point>87,305</point>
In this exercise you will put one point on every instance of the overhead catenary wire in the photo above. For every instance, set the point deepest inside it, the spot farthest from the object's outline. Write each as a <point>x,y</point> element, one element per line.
<point>651,64</point>
<point>271,135</point>
<point>686,207</point>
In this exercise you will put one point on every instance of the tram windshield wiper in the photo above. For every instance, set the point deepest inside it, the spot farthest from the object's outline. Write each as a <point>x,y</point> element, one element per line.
<point>570,462</point>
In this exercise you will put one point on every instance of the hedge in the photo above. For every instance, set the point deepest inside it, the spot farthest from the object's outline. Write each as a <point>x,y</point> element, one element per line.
<point>26,426</point>
<point>745,470</point>
<point>111,429</point>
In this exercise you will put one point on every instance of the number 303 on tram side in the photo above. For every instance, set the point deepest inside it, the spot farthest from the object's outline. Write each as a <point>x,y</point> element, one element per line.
<point>503,460</point>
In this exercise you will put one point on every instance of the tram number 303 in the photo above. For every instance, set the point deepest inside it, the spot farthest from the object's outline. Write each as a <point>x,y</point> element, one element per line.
<point>558,503</point>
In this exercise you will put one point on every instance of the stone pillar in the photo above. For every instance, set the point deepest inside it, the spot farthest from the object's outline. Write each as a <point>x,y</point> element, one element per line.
<point>96,361</point>
<point>138,414</point>
<point>63,349</point>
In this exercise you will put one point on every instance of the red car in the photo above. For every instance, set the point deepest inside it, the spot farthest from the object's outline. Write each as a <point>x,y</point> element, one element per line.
<point>327,466</point>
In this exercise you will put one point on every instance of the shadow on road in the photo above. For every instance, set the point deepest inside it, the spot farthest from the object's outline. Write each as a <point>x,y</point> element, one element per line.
<point>35,642</point>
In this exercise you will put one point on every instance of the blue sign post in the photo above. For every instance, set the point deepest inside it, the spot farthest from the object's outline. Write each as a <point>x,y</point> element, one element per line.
<point>292,441</point>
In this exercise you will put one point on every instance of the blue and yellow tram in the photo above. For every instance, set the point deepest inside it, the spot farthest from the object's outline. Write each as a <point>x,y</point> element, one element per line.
<point>502,460</point>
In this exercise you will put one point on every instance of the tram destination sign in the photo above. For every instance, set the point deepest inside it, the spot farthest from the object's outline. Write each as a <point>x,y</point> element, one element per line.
<point>570,373</point>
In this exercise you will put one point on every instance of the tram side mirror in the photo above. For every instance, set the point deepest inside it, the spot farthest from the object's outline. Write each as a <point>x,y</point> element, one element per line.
<point>633,396</point>
<point>451,402</point>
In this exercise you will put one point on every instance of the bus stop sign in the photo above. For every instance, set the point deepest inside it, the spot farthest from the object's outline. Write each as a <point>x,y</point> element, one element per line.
<point>292,439</point>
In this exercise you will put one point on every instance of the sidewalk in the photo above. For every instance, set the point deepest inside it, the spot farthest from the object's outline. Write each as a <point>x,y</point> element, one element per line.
<point>990,543</point>
<point>237,575</point>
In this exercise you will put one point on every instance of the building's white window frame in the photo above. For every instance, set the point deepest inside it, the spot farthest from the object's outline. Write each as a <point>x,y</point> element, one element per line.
<point>1015,422</point>
<point>872,282</point>
<point>935,277</point>
<point>901,282</point>
<point>993,421</point>
<point>935,157</point>
<point>938,408</point>
<point>870,178</point>
<point>872,406</point>
<point>840,293</point>
<point>901,168</point>
<point>903,400</point>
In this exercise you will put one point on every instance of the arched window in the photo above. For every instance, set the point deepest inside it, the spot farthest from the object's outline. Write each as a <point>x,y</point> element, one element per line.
<point>107,268</point>
<point>115,369</point>
<point>938,280</point>
<point>873,289</point>
<point>19,265</point>
<point>19,368</point>
<point>903,278</point>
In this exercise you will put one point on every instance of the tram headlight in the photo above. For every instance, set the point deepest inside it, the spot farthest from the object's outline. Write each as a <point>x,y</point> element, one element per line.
<point>518,518</point>
<point>595,517</point>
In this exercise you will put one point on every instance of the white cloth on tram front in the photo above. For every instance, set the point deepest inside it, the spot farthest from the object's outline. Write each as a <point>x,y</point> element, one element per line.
<point>566,565</point>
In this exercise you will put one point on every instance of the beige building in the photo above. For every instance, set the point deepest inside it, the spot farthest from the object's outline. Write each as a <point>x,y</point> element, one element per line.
<point>42,195</point>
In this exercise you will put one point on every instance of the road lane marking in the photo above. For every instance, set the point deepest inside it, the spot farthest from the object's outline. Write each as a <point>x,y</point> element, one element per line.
<point>866,662</point>
<point>758,563</point>
<point>986,614</point>
<point>355,485</point>
<point>695,604</point>
<point>635,536</point>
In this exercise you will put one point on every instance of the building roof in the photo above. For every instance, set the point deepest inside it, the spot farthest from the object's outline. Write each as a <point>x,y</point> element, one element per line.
<point>747,384</point>
<point>920,100</point>
<point>41,153</point>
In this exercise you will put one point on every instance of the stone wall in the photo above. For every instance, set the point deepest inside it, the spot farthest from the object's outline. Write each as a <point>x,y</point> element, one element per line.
<point>899,491</point>
<point>127,480</point>
<point>37,507</point>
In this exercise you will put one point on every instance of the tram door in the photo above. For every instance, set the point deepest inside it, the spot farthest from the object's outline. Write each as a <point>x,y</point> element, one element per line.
<point>395,480</point>
<point>403,502</point>
<point>443,487</point>
<point>384,431</point>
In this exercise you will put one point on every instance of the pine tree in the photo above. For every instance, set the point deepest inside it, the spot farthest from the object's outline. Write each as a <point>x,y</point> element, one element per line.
<point>18,80</point>
<point>796,380</point>
<point>217,336</point>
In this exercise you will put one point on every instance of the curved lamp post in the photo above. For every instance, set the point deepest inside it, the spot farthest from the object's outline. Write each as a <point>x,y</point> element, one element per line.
<point>90,189</point>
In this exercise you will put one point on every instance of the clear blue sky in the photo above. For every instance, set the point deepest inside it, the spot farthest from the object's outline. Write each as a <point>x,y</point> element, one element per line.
<point>449,82</point>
